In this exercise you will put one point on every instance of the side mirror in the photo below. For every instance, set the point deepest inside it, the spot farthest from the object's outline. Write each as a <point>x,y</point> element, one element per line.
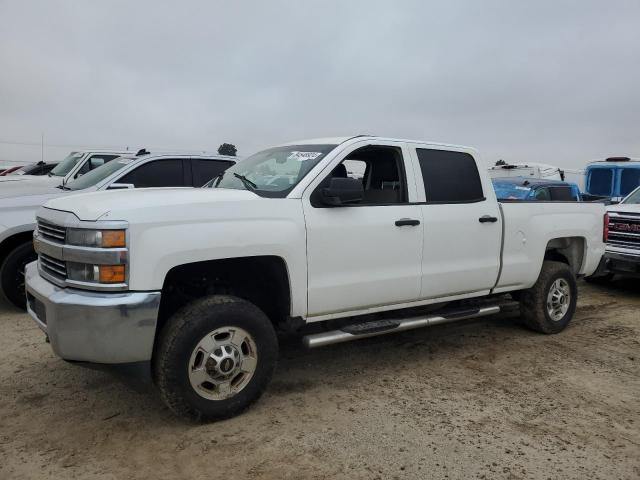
<point>120,186</point>
<point>342,191</point>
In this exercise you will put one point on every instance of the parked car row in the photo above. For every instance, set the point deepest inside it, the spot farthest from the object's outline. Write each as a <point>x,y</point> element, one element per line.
<point>336,239</point>
<point>39,168</point>
<point>85,171</point>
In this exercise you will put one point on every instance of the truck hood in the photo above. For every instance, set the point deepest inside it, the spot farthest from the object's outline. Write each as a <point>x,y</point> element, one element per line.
<point>625,207</point>
<point>25,189</point>
<point>40,179</point>
<point>124,204</point>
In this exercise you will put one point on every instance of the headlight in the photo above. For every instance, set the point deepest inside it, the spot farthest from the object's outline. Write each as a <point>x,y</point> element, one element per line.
<point>96,238</point>
<point>83,272</point>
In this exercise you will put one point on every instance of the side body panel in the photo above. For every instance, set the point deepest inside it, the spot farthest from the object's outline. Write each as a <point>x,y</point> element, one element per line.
<point>530,226</point>
<point>166,236</point>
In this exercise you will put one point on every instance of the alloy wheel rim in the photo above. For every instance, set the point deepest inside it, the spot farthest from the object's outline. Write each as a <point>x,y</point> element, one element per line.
<point>558,299</point>
<point>222,363</point>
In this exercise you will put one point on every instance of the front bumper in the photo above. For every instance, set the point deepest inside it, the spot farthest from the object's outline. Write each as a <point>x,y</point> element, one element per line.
<point>96,327</point>
<point>622,262</point>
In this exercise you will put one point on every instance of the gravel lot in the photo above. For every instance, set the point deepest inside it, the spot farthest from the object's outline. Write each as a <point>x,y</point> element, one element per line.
<point>479,399</point>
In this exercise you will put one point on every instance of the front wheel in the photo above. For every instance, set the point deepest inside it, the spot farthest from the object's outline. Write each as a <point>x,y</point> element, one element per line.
<point>549,305</point>
<point>215,357</point>
<point>12,273</point>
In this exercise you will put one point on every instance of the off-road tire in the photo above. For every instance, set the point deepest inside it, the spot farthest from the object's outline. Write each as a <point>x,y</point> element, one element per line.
<point>12,274</point>
<point>533,301</point>
<point>180,336</point>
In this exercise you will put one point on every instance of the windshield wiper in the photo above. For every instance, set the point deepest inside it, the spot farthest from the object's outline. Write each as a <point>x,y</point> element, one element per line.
<point>246,182</point>
<point>213,183</point>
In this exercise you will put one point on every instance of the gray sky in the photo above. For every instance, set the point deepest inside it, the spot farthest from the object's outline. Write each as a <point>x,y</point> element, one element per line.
<point>550,81</point>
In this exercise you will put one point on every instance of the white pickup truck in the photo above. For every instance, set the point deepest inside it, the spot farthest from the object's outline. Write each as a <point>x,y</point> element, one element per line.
<point>196,282</point>
<point>622,253</point>
<point>19,201</point>
<point>73,166</point>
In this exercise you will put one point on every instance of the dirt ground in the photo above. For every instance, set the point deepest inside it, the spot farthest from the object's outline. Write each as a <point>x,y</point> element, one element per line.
<point>478,399</point>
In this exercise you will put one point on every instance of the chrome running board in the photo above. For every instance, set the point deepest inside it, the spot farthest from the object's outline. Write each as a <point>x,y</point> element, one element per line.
<point>382,327</point>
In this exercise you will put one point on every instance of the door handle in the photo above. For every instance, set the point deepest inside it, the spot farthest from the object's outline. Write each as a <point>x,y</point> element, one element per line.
<point>488,219</point>
<point>407,222</point>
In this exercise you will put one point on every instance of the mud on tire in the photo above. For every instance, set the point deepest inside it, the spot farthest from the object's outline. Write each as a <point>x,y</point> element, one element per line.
<point>181,342</point>
<point>543,307</point>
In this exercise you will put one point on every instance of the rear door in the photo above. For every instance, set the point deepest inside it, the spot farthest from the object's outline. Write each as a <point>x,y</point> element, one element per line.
<point>462,224</point>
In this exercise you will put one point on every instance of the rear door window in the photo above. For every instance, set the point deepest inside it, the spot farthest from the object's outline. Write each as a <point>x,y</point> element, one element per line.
<point>157,173</point>
<point>449,177</point>
<point>629,180</point>
<point>600,180</point>
<point>205,170</point>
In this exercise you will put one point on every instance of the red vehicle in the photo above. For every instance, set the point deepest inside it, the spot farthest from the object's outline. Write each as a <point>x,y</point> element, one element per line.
<point>9,170</point>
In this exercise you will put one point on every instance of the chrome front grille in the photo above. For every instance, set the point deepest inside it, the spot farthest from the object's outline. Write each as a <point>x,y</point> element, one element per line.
<point>624,230</point>
<point>51,232</point>
<point>54,267</point>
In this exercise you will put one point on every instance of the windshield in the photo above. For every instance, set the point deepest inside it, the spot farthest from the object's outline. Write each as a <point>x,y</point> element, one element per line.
<point>98,174</point>
<point>633,198</point>
<point>510,191</point>
<point>273,172</point>
<point>66,165</point>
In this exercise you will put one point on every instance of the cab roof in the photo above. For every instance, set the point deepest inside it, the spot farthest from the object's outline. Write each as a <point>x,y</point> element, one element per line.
<point>339,140</point>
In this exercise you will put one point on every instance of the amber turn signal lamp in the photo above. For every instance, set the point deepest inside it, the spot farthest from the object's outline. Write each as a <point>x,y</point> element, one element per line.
<point>111,273</point>
<point>113,238</point>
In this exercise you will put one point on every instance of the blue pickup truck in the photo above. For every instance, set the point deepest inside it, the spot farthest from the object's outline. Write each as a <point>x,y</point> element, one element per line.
<point>615,177</point>
<point>536,189</point>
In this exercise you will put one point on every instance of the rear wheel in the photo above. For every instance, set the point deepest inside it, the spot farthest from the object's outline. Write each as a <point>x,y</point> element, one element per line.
<point>12,273</point>
<point>215,357</point>
<point>549,305</point>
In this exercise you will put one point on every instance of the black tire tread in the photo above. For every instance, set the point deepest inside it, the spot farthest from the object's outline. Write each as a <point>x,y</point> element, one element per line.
<point>533,310</point>
<point>7,278</point>
<point>184,319</point>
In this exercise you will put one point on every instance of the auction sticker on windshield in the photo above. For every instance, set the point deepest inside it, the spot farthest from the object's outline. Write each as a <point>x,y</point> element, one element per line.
<point>303,156</point>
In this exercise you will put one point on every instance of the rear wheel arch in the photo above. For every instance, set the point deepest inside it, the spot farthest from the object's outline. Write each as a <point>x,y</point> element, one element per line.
<point>569,250</point>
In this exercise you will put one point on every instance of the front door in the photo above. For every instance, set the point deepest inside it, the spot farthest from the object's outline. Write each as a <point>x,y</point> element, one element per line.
<point>368,254</point>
